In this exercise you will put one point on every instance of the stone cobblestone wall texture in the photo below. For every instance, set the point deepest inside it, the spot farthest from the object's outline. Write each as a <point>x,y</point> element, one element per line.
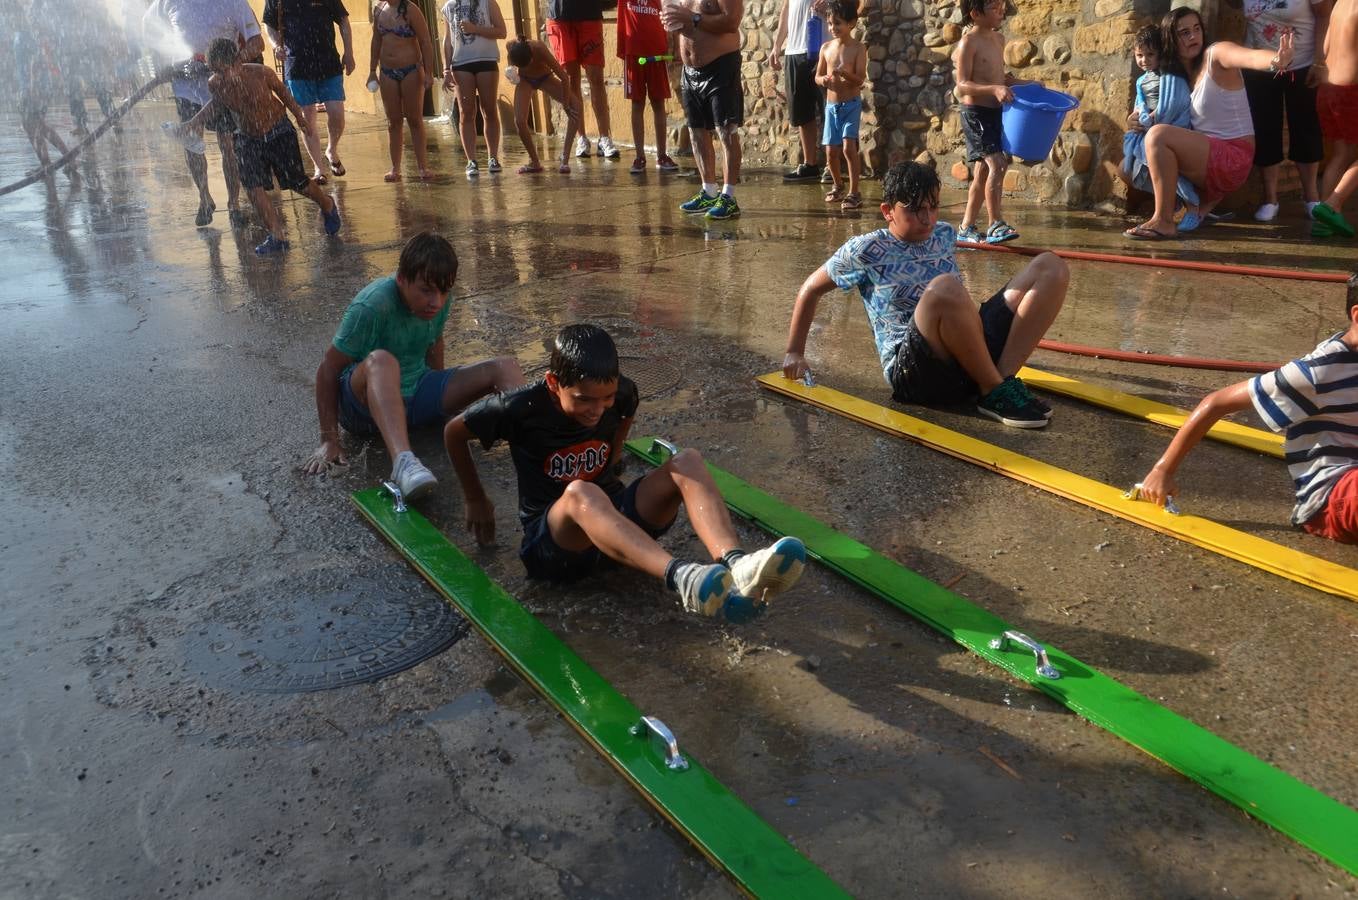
<point>1082,47</point>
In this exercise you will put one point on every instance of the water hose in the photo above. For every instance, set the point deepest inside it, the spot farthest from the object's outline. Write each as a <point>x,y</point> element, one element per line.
<point>66,158</point>
<point>1190,265</point>
<point>1158,359</point>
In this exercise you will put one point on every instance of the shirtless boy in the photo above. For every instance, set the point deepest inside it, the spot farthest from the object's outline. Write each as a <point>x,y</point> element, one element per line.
<point>982,86</point>
<point>841,70</point>
<point>266,142</point>
<point>539,71</point>
<point>709,45</point>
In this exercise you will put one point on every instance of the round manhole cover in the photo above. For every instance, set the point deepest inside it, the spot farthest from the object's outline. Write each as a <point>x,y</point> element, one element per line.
<point>324,629</point>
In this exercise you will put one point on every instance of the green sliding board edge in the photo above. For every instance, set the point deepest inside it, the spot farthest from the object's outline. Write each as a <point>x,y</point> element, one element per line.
<point>1296,809</point>
<point>727,831</point>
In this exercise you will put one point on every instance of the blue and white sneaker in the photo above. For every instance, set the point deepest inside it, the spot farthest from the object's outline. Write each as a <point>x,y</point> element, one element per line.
<point>271,245</point>
<point>332,220</point>
<point>703,589</point>
<point>762,575</point>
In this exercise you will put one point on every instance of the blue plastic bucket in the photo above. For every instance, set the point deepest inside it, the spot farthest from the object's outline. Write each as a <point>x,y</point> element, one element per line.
<point>1033,120</point>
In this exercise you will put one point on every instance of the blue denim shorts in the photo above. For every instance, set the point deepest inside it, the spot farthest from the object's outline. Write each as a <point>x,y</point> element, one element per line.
<point>543,559</point>
<point>841,122</point>
<point>424,407</point>
<point>322,90</point>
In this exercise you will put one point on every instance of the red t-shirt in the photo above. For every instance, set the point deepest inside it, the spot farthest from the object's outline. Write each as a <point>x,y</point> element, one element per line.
<point>639,30</point>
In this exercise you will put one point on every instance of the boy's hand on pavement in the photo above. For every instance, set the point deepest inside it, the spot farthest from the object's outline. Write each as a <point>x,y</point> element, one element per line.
<point>794,366</point>
<point>481,520</point>
<point>327,456</point>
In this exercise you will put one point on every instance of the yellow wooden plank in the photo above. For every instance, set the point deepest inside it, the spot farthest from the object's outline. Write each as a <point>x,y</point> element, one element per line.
<point>1254,551</point>
<point>1152,411</point>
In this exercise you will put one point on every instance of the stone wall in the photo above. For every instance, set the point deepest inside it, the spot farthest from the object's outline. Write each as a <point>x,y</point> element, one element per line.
<point>1082,47</point>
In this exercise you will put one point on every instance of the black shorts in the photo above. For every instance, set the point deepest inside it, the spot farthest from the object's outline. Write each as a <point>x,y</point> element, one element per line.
<point>713,96</point>
<point>1268,96</point>
<point>919,376</point>
<point>476,68</point>
<point>274,154</point>
<point>219,120</point>
<point>805,99</point>
<point>983,128</point>
<point>543,559</point>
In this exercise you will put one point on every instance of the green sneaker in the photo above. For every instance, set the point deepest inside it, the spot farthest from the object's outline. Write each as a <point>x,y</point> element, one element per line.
<point>1011,404</point>
<point>724,207</point>
<point>698,203</point>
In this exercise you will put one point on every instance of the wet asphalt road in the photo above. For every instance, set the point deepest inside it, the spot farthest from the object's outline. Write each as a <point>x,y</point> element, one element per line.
<point>157,406</point>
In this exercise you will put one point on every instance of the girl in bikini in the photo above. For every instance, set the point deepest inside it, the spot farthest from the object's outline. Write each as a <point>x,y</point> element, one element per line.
<point>1216,155</point>
<point>402,46</point>
<point>539,71</point>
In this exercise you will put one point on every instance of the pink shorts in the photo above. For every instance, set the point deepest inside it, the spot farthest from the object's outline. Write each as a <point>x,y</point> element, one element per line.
<point>1228,165</point>
<point>1338,521</point>
<point>1338,108</point>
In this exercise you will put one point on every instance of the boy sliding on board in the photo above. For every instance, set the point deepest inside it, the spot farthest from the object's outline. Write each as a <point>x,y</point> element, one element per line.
<point>564,434</point>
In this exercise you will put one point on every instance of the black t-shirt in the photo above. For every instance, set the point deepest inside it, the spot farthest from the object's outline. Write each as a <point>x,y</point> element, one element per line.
<point>308,31</point>
<point>575,10</point>
<point>549,448</point>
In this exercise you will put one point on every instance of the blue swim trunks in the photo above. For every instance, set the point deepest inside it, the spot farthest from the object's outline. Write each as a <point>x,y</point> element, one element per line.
<point>323,90</point>
<point>841,122</point>
<point>424,407</point>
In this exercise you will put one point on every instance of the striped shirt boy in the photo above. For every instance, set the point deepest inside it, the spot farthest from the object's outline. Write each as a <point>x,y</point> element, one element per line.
<point>1314,400</point>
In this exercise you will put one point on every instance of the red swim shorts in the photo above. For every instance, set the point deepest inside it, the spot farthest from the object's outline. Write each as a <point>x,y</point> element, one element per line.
<point>642,81</point>
<point>1338,521</point>
<point>580,41</point>
<point>1337,105</point>
<point>1228,165</point>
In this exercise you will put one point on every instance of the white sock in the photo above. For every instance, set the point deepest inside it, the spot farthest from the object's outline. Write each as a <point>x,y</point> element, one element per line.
<point>709,189</point>
<point>728,191</point>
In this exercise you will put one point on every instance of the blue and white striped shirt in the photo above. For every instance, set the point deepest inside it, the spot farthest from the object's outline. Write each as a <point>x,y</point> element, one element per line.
<point>1314,400</point>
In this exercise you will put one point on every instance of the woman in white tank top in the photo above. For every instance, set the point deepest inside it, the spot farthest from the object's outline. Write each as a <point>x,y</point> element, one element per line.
<point>471,53</point>
<point>1218,152</point>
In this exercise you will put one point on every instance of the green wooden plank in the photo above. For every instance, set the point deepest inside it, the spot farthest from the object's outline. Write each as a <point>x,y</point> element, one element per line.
<point>1296,809</point>
<point>727,831</point>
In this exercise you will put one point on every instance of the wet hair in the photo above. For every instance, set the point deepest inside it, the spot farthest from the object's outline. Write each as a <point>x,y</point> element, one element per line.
<point>1149,40</point>
<point>222,52</point>
<point>1169,39</point>
<point>428,255</point>
<point>845,10</point>
<point>911,183</point>
<point>518,51</point>
<point>1353,293</point>
<point>583,353</point>
<point>972,6</point>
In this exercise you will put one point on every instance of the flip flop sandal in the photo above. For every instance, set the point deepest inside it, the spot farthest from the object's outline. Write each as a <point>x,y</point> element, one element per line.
<point>319,178</point>
<point>1143,233</point>
<point>852,201</point>
<point>336,167</point>
<point>529,170</point>
<point>834,196</point>
<point>391,177</point>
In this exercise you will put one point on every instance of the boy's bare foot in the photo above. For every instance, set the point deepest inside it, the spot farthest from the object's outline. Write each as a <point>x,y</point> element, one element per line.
<point>530,169</point>
<point>393,175</point>
<point>205,211</point>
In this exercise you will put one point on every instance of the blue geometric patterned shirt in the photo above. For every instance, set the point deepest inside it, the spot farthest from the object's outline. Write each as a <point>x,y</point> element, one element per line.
<point>891,274</point>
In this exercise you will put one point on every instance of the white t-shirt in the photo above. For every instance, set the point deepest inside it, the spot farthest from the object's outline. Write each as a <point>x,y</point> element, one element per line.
<point>199,23</point>
<point>1266,20</point>
<point>797,13</point>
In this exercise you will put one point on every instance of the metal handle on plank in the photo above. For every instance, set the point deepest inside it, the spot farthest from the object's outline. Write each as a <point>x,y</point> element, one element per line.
<point>661,442</point>
<point>651,725</point>
<point>1044,665</point>
<point>399,501</point>
<point>1135,494</point>
<point>808,379</point>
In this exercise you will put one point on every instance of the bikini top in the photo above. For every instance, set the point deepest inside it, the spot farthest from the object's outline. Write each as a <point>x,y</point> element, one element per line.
<point>404,30</point>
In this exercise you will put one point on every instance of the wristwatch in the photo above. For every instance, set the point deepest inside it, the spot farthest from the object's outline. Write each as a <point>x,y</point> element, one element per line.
<point>697,17</point>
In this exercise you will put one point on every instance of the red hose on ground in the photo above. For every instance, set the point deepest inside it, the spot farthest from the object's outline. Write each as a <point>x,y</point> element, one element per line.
<point>1223,268</point>
<point>1156,359</point>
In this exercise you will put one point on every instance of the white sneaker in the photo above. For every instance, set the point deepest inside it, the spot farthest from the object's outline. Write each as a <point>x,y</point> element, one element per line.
<point>606,148</point>
<point>472,170</point>
<point>581,146</point>
<point>703,589</point>
<point>766,573</point>
<point>493,165</point>
<point>1266,213</point>
<point>411,476</point>
<point>1311,208</point>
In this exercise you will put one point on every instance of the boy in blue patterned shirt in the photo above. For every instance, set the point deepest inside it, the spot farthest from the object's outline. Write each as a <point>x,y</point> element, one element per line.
<point>935,345</point>
<point>1314,401</point>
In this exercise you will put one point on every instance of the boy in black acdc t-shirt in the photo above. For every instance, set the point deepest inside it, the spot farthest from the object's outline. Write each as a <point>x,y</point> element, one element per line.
<point>564,433</point>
